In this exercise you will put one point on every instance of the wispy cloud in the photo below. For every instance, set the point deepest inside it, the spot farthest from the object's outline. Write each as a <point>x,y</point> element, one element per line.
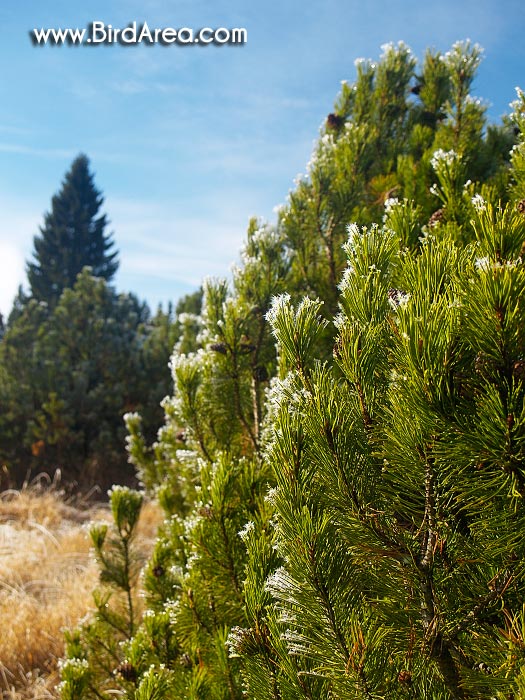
<point>15,130</point>
<point>36,151</point>
<point>130,87</point>
<point>165,249</point>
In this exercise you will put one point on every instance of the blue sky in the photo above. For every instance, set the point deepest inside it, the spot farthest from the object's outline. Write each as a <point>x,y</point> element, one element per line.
<point>188,142</point>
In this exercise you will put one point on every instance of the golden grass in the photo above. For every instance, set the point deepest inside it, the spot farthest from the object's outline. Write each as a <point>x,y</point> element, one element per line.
<point>46,579</point>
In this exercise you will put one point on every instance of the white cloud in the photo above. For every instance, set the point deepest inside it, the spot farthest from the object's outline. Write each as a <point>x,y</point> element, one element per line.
<point>157,240</point>
<point>166,249</point>
<point>15,130</point>
<point>32,151</point>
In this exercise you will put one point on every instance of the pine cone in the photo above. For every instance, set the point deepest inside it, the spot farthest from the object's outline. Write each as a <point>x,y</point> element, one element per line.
<point>436,218</point>
<point>260,374</point>
<point>518,370</point>
<point>405,677</point>
<point>181,436</point>
<point>333,121</point>
<point>126,671</point>
<point>520,206</point>
<point>158,571</point>
<point>219,347</point>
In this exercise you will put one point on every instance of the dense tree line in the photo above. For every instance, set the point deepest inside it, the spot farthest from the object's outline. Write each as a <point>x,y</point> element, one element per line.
<point>76,355</point>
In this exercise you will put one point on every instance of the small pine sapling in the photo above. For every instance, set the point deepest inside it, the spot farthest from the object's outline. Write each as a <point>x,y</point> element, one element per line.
<point>95,664</point>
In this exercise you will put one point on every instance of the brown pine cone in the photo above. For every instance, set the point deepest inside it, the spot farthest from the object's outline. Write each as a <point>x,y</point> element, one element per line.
<point>436,217</point>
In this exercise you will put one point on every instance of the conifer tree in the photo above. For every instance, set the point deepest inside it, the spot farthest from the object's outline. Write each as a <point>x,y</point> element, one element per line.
<point>75,355</point>
<point>400,474</point>
<point>351,529</point>
<point>96,647</point>
<point>212,485</point>
<point>73,237</point>
<point>399,467</point>
<point>69,375</point>
<point>378,145</point>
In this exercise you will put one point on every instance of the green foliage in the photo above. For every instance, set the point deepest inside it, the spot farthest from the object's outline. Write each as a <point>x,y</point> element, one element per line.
<point>70,373</point>
<point>73,237</point>
<point>344,511</point>
<point>518,151</point>
<point>207,470</point>
<point>94,667</point>
<point>75,355</point>
<point>378,147</point>
<point>399,472</point>
<point>219,388</point>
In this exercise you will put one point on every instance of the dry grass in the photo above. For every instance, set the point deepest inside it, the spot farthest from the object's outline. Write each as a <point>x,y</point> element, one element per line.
<point>46,579</point>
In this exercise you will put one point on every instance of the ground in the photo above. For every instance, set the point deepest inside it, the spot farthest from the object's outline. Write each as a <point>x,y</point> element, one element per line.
<point>47,575</point>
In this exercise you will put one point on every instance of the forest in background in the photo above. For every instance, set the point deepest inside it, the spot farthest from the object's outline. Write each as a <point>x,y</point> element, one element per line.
<point>75,354</point>
<point>341,460</point>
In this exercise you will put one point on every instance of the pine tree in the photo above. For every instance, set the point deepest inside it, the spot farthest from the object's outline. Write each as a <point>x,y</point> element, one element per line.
<point>73,237</point>
<point>96,646</point>
<point>70,374</point>
<point>75,355</point>
<point>400,474</point>
<point>400,467</point>
<point>351,529</point>
<point>390,122</point>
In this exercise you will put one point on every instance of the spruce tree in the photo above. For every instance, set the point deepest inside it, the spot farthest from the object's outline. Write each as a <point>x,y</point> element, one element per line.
<point>73,237</point>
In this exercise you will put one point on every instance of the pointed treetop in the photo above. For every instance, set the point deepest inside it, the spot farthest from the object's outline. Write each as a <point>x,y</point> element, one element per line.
<point>72,237</point>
